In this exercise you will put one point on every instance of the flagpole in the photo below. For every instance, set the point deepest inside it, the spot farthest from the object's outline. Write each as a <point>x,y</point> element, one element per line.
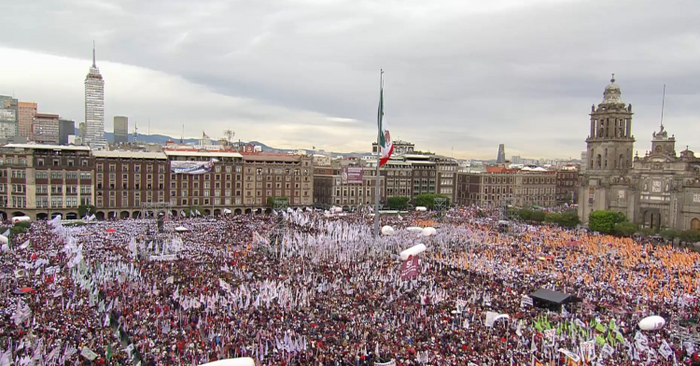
<point>377,193</point>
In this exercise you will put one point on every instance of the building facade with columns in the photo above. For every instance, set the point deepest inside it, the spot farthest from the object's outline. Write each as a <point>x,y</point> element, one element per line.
<point>659,190</point>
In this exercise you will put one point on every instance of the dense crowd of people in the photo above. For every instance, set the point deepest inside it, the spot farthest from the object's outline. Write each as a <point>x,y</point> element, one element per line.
<point>307,288</point>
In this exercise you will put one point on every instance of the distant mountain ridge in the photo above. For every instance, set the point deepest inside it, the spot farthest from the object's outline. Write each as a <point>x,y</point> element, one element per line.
<point>163,139</point>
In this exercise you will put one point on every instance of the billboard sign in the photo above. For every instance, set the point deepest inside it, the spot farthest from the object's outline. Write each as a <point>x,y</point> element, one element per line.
<point>191,167</point>
<point>352,175</point>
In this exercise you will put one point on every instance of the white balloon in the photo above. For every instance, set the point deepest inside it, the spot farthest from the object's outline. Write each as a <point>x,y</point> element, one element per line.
<point>387,230</point>
<point>17,219</point>
<point>421,208</point>
<point>3,239</point>
<point>429,231</point>
<point>241,361</point>
<point>414,250</point>
<point>653,322</point>
<point>416,229</point>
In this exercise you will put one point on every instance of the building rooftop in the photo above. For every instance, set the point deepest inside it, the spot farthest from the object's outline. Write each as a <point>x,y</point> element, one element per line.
<point>129,154</point>
<point>499,169</point>
<point>46,147</point>
<point>270,156</point>
<point>46,115</point>
<point>208,153</point>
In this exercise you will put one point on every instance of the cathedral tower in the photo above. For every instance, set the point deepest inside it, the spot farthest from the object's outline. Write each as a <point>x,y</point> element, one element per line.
<point>605,182</point>
<point>610,142</point>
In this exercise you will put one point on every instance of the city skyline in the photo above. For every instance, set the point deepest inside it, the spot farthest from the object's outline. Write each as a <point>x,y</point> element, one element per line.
<point>309,77</point>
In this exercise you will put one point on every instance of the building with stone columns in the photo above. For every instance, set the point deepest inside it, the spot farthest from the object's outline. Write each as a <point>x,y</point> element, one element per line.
<point>659,190</point>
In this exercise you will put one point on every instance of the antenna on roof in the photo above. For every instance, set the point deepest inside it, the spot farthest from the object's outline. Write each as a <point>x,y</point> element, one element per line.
<point>663,103</point>
<point>229,134</point>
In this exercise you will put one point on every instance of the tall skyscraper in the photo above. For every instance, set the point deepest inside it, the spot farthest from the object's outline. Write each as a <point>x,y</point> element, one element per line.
<point>121,129</point>
<point>94,106</point>
<point>25,118</point>
<point>501,158</point>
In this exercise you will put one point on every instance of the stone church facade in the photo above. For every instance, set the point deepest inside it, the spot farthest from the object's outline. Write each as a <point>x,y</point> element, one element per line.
<point>659,190</point>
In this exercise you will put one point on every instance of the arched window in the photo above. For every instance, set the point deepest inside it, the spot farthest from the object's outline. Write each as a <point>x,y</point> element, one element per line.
<point>622,162</point>
<point>599,161</point>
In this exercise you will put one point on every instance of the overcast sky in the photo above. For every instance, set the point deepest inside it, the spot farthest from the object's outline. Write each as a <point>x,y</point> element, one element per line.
<point>462,76</point>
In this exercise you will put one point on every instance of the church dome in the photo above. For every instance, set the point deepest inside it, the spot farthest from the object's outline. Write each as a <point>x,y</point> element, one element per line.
<point>612,92</point>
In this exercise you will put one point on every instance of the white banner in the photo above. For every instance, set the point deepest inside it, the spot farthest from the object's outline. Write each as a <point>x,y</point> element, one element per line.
<point>163,258</point>
<point>191,167</point>
<point>87,353</point>
<point>390,363</point>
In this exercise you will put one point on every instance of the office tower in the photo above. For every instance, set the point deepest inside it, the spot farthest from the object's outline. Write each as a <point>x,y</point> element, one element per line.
<point>94,106</point>
<point>8,117</point>
<point>25,118</point>
<point>46,128</point>
<point>121,129</point>
<point>501,154</point>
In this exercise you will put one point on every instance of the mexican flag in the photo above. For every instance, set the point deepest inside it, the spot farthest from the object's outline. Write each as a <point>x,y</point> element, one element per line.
<point>384,138</point>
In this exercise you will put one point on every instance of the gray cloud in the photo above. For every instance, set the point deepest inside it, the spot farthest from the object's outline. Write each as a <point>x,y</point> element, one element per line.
<point>459,72</point>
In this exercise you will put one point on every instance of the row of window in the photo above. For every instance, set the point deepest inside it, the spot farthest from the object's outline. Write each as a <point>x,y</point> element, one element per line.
<point>125,168</point>
<point>125,202</point>
<point>410,172</point>
<point>57,162</point>
<point>352,192</point>
<point>11,161</point>
<point>61,175</point>
<point>59,202</point>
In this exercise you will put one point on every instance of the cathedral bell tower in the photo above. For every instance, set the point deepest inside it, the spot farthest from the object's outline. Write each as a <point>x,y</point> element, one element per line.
<point>605,182</point>
<point>610,143</point>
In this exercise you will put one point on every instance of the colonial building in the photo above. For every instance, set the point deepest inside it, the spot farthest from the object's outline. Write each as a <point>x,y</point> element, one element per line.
<point>126,179</point>
<point>350,186</point>
<point>45,180</point>
<point>500,186</point>
<point>447,169</point>
<point>668,186</point>
<point>567,185</point>
<point>659,190</point>
<point>535,187</point>
<point>276,175</point>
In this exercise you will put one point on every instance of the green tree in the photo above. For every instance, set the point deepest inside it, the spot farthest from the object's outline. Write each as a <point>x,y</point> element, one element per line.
<point>669,234</point>
<point>525,214</point>
<point>271,201</point>
<point>397,202</point>
<point>569,219</point>
<point>23,224</point>
<point>553,218</point>
<point>625,228</point>
<point>690,236</point>
<point>428,200</point>
<point>604,221</point>
<point>537,216</point>
<point>83,210</point>
<point>647,231</point>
